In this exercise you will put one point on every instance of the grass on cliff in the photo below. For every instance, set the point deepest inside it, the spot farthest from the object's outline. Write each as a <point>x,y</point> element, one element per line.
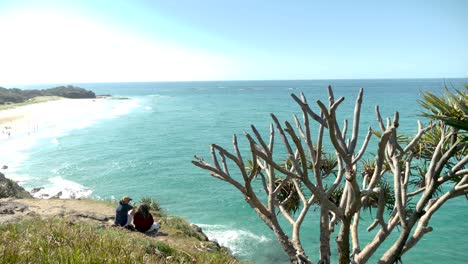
<point>175,225</point>
<point>60,241</point>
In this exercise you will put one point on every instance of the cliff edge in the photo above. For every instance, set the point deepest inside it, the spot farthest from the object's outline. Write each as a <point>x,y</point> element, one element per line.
<point>9,188</point>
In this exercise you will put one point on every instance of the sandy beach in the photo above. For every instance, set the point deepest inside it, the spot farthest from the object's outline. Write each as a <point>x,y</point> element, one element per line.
<point>29,119</point>
<point>23,126</point>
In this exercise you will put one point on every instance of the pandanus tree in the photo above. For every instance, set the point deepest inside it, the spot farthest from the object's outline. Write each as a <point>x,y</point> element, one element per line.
<point>405,181</point>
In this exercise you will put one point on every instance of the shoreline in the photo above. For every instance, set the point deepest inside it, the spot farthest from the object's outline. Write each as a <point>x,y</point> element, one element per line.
<point>27,118</point>
<point>22,127</point>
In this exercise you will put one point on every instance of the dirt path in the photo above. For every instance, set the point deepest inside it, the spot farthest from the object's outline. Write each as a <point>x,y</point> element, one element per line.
<point>12,210</point>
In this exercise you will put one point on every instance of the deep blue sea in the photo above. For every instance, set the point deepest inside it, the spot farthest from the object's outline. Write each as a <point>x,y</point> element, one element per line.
<point>146,149</point>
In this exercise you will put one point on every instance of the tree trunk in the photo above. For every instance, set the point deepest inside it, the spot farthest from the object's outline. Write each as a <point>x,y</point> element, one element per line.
<point>324,237</point>
<point>395,251</point>
<point>296,254</point>
<point>343,242</point>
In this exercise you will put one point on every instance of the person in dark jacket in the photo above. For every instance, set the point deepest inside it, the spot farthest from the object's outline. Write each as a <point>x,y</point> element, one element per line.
<point>121,212</point>
<point>143,220</point>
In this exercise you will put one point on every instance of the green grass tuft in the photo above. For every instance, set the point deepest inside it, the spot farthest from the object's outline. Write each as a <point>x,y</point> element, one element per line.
<point>60,241</point>
<point>181,225</point>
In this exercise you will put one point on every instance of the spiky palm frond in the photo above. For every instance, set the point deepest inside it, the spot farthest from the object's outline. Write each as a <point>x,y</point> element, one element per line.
<point>401,138</point>
<point>450,108</point>
<point>288,196</point>
<point>418,179</point>
<point>329,163</point>
<point>368,168</point>
<point>250,166</point>
<point>372,201</point>
<point>335,196</point>
<point>426,146</point>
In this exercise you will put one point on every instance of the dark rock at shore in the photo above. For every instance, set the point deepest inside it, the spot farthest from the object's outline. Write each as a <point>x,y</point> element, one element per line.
<point>35,190</point>
<point>200,231</point>
<point>9,188</point>
<point>57,196</point>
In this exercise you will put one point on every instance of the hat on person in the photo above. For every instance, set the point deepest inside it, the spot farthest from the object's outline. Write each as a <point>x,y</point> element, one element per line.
<point>126,199</point>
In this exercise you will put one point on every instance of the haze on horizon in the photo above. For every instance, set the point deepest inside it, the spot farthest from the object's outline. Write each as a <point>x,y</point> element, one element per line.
<point>125,41</point>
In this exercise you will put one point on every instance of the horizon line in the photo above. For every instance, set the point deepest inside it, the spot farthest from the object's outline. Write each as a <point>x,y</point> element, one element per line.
<point>240,80</point>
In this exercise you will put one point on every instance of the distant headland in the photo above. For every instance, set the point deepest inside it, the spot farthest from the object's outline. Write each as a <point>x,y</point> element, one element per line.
<point>15,95</point>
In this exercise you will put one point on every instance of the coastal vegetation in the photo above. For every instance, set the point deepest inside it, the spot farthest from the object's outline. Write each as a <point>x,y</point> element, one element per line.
<point>80,232</point>
<point>450,108</point>
<point>57,240</point>
<point>15,95</point>
<point>403,181</point>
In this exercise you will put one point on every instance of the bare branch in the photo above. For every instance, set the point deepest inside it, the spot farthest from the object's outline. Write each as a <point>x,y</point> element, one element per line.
<point>345,128</point>
<point>356,121</point>
<point>339,176</point>
<point>272,139</point>
<point>420,133</point>
<point>377,175</point>
<point>379,238</point>
<point>300,149</point>
<point>219,174</point>
<point>285,141</point>
<point>355,233</point>
<point>422,227</point>
<point>238,154</point>
<point>380,210</point>
<point>318,158</point>
<point>379,119</point>
<point>398,192</point>
<point>418,191</point>
<point>455,171</point>
<point>331,96</point>
<point>309,111</point>
<point>299,127</point>
<point>260,139</point>
<point>335,138</point>
<point>448,155</point>
<point>363,148</point>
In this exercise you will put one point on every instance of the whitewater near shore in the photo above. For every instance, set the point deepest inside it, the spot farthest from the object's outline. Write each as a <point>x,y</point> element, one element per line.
<point>21,127</point>
<point>28,119</point>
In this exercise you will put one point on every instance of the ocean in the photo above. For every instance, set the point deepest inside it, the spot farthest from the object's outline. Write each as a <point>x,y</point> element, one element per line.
<point>143,146</point>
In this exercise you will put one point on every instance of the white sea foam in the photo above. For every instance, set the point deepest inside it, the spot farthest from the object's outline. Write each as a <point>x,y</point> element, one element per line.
<point>64,189</point>
<point>55,141</point>
<point>52,120</point>
<point>238,241</point>
<point>122,108</point>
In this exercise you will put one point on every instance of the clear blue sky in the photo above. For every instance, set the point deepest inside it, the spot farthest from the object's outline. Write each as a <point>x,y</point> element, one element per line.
<point>136,40</point>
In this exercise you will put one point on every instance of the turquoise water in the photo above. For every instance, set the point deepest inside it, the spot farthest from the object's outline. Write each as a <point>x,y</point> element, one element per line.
<point>147,148</point>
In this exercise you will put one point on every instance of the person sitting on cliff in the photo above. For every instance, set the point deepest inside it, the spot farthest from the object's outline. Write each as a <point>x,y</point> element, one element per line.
<point>143,220</point>
<point>122,216</point>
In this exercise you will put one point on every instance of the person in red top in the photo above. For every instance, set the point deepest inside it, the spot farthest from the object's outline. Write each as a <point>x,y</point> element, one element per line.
<point>143,220</point>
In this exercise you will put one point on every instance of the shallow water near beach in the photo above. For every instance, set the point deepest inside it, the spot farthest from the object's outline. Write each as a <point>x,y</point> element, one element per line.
<point>144,145</point>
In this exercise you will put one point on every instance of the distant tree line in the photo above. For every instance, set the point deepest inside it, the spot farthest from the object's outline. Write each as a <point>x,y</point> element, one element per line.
<point>15,95</point>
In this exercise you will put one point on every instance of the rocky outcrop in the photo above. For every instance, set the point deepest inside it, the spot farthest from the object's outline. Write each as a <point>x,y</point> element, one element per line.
<point>12,211</point>
<point>9,188</point>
